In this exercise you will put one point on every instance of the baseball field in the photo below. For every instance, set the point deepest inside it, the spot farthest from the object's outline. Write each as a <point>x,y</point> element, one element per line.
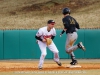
<point>30,67</point>
<point>33,14</point>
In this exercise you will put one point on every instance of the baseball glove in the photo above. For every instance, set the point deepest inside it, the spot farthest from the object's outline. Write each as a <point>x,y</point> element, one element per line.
<point>48,41</point>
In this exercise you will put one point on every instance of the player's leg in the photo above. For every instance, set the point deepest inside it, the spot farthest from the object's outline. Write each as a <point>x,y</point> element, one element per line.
<point>74,61</point>
<point>42,47</point>
<point>72,56</point>
<point>81,46</point>
<point>71,39</point>
<point>54,49</point>
<point>69,47</point>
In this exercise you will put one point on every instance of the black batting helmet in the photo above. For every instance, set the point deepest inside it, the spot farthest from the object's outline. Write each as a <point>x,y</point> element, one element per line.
<point>66,11</point>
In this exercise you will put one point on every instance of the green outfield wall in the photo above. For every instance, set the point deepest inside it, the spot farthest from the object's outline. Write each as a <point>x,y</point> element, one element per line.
<point>21,44</point>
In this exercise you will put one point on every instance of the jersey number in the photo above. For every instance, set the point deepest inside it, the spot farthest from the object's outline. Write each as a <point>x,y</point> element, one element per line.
<point>72,21</point>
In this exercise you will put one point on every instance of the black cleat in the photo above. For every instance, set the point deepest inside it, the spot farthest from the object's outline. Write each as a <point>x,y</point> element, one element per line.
<point>80,45</point>
<point>59,63</point>
<point>74,62</point>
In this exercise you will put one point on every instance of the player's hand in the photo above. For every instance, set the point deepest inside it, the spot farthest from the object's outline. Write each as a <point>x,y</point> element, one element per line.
<point>44,40</point>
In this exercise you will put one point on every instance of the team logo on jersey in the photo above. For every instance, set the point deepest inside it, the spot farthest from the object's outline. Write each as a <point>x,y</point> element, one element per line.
<point>47,36</point>
<point>72,21</point>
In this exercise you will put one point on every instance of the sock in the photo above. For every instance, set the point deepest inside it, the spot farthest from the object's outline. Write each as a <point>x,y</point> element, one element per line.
<point>72,56</point>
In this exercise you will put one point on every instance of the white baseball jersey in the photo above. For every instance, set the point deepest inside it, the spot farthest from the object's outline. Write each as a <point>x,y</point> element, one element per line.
<point>43,33</point>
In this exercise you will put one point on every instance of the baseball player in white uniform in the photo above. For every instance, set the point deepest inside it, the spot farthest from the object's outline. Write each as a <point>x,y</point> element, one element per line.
<point>47,32</point>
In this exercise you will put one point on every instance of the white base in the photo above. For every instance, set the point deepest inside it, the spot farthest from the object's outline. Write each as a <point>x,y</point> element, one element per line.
<point>73,66</point>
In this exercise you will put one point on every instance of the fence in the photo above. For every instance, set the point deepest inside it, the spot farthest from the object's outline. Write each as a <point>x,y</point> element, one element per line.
<point>21,44</point>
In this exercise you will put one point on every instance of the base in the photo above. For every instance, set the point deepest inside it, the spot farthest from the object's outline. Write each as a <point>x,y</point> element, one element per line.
<point>73,66</point>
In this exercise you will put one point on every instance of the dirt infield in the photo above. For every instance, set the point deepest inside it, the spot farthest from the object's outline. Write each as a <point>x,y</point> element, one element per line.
<point>49,65</point>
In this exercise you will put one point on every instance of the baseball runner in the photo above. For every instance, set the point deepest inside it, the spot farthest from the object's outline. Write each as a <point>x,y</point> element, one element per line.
<point>41,36</point>
<point>70,27</point>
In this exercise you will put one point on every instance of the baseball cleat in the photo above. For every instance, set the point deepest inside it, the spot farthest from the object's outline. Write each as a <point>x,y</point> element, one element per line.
<point>40,68</point>
<point>59,63</point>
<point>80,45</point>
<point>74,62</point>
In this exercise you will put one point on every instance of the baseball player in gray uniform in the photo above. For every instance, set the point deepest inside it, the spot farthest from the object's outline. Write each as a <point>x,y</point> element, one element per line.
<point>70,27</point>
<point>43,33</point>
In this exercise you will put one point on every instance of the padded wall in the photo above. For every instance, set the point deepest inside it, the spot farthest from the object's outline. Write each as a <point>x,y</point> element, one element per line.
<point>21,44</point>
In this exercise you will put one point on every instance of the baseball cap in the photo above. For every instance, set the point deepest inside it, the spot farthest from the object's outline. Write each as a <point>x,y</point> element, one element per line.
<point>50,21</point>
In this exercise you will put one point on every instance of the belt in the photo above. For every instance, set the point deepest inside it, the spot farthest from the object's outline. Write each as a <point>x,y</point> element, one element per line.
<point>71,32</point>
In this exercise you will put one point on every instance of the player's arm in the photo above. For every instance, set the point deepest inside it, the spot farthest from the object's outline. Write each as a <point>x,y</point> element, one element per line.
<point>52,37</point>
<point>62,32</point>
<point>66,25</point>
<point>77,25</point>
<point>38,38</point>
<point>38,35</point>
<point>54,34</point>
